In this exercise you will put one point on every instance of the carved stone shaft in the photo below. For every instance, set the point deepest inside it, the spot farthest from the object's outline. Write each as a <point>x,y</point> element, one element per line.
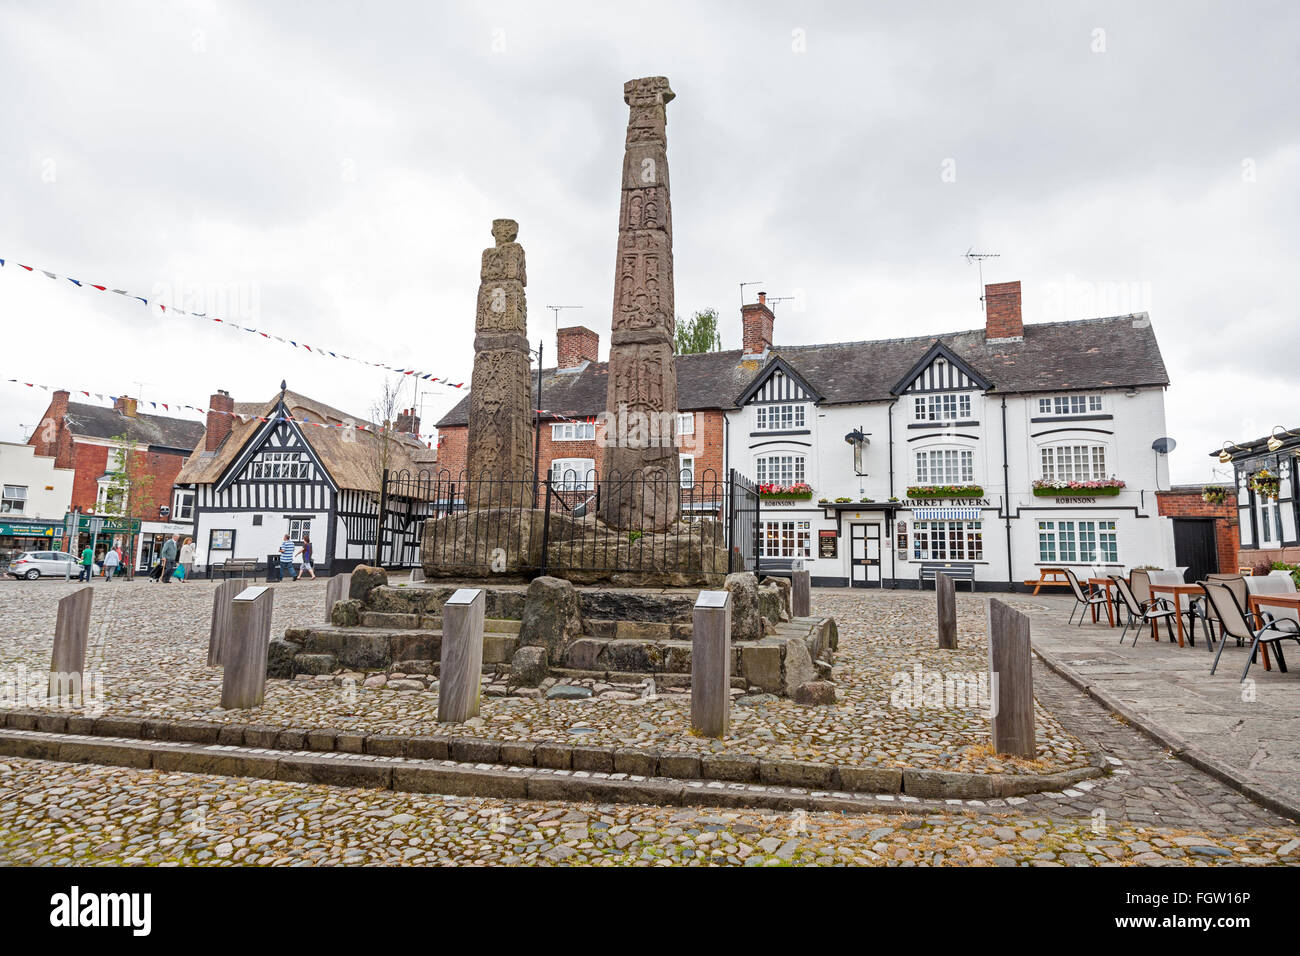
<point>640,468</point>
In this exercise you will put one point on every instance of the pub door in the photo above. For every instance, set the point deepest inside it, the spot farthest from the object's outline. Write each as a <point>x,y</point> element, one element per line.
<point>864,555</point>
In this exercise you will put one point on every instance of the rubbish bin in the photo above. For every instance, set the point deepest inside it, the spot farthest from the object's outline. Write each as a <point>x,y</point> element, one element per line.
<point>273,568</point>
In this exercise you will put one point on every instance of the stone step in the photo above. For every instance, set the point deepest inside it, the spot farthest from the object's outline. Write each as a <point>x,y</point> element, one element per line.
<point>502,625</point>
<point>637,630</point>
<point>393,619</point>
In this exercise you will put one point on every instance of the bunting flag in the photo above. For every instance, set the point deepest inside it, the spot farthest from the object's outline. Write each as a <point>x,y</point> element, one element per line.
<point>231,324</point>
<point>180,406</point>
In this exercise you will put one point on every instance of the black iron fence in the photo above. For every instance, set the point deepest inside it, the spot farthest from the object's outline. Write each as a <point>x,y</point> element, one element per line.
<point>573,522</point>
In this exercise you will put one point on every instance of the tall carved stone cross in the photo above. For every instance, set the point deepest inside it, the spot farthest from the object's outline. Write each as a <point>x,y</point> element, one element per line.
<point>639,474</point>
<point>500,440</point>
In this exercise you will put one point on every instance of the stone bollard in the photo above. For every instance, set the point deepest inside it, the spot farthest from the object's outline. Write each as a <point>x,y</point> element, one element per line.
<point>945,596</point>
<point>800,590</point>
<point>71,632</point>
<point>221,620</point>
<point>243,683</point>
<point>462,656</point>
<point>1011,681</point>
<point>417,575</point>
<point>336,589</point>
<point>711,664</point>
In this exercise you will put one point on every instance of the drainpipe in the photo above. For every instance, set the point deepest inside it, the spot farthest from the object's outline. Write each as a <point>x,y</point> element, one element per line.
<point>1006,494</point>
<point>893,556</point>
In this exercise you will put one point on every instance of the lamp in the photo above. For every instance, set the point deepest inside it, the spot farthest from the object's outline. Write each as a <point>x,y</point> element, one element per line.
<point>1225,455</point>
<point>859,440</point>
<point>1274,440</point>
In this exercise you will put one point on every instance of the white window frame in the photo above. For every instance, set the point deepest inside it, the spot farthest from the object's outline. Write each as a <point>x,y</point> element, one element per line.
<point>1072,541</point>
<point>785,538</point>
<point>942,407</point>
<point>1073,461</point>
<point>780,468</point>
<point>686,423</point>
<point>573,431</point>
<point>945,540</point>
<point>783,417</point>
<point>687,471</point>
<point>299,525</point>
<point>279,466</point>
<point>183,505</point>
<point>573,474</point>
<point>101,495</point>
<point>13,500</point>
<point>1073,404</point>
<point>953,460</point>
<point>1268,518</point>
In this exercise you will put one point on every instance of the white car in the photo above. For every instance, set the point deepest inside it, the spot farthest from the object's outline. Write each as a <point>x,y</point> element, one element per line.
<point>44,564</point>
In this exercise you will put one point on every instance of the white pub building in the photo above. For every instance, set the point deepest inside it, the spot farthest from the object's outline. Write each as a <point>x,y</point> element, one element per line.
<point>990,454</point>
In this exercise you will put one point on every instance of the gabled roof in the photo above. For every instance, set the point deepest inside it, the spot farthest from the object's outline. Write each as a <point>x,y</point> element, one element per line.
<point>939,350</point>
<point>352,464</point>
<point>1115,352</point>
<point>96,421</point>
<point>777,364</point>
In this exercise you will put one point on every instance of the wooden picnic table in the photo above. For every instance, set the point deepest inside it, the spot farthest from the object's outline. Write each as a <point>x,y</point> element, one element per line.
<point>1050,578</point>
<point>1177,591</point>
<point>1272,600</point>
<point>1105,584</point>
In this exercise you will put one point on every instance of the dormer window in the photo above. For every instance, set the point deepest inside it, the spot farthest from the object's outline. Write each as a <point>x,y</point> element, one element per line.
<point>942,407</point>
<point>273,465</point>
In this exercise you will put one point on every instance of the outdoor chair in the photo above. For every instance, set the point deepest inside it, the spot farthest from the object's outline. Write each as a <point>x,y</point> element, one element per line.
<point>1205,610</point>
<point>1140,582</point>
<point>1237,623</point>
<point>1083,598</point>
<point>1141,614</point>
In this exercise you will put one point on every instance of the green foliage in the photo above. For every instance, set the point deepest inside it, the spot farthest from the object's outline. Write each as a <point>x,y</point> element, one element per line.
<point>698,334</point>
<point>130,481</point>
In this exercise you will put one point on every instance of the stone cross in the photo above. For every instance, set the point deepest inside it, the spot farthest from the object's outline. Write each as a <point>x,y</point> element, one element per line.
<point>711,664</point>
<point>1011,681</point>
<point>222,620</point>
<point>462,655</point>
<point>243,680</point>
<point>71,633</point>
<point>500,439</point>
<point>639,472</point>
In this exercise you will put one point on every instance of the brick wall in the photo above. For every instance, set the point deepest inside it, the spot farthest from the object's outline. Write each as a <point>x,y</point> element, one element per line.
<point>1002,315</point>
<point>91,461</point>
<point>1189,504</point>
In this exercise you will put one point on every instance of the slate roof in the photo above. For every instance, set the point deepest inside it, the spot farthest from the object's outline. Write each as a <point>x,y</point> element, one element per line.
<point>1116,352</point>
<point>96,421</point>
<point>352,464</point>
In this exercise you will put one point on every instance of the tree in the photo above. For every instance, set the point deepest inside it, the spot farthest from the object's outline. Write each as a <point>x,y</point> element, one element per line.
<point>129,486</point>
<point>383,452</point>
<point>699,333</point>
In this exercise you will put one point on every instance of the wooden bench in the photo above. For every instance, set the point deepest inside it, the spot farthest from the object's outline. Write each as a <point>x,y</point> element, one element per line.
<point>245,567</point>
<point>958,572</point>
<point>776,567</point>
<point>1049,578</point>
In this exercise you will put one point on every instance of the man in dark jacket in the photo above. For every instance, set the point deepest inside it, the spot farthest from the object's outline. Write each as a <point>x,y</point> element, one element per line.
<point>170,549</point>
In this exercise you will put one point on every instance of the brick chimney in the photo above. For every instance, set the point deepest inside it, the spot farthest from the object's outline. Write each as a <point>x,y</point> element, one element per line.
<point>575,345</point>
<point>408,423</point>
<point>1002,319</point>
<point>125,405</point>
<point>756,322</point>
<point>52,437</point>
<point>219,424</point>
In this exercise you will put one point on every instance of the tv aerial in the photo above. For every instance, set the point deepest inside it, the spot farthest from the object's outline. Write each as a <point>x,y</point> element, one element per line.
<point>978,258</point>
<point>557,308</point>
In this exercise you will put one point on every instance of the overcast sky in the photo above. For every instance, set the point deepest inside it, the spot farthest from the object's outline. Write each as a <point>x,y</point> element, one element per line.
<point>329,172</point>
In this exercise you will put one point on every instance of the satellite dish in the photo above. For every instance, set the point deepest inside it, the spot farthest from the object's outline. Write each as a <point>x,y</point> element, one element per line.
<point>1163,446</point>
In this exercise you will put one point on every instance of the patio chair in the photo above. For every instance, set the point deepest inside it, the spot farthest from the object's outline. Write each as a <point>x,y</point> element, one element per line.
<point>1141,614</point>
<point>1205,610</point>
<point>1140,581</point>
<point>1237,623</point>
<point>1083,599</point>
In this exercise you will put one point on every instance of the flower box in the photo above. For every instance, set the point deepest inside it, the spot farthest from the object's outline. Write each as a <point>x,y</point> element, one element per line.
<point>800,491</point>
<point>945,491</point>
<point>1104,488</point>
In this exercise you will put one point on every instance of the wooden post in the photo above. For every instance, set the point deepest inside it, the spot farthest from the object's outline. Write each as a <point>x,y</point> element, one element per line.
<point>1011,681</point>
<point>221,620</point>
<point>800,590</point>
<point>462,655</point>
<point>243,684</point>
<point>71,632</point>
<point>336,589</point>
<point>945,595</point>
<point>711,664</point>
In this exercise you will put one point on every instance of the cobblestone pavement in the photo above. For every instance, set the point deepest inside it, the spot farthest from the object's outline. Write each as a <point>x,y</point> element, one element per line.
<point>60,814</point>
<point>151,643</point>
<point>1151,809</point>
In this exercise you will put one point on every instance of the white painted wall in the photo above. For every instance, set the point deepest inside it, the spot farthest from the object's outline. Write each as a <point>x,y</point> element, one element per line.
<point>49,489</point>
<point>253,541</point>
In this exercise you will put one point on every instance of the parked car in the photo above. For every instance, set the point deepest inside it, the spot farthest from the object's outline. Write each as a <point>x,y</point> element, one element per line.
<point>48,564</point>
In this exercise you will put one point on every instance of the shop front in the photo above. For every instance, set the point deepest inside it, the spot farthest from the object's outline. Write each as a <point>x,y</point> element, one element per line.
<point>19,536</point>
<point>100,533</point>
<point>153,534</point>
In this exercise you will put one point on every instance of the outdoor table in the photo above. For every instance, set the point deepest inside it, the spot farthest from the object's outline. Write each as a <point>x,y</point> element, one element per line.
<point>1106,584</point>
<point>1177,590</point>
<point>1050,577</point>
<point>1272,600</point>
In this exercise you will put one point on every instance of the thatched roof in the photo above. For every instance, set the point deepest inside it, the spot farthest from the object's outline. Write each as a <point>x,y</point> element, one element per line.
<point>350,456</point>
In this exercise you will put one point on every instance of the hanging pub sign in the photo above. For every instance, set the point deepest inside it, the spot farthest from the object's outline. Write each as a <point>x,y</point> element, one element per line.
<point>828,544</point>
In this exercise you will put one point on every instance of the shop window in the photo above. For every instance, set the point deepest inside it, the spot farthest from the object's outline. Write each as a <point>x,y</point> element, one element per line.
<point>786,539</point>
<point>1078,542</point>
<point>946,541</point>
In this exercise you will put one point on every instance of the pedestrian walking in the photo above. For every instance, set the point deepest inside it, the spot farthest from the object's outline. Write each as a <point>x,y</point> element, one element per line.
<point>187,557</point>
<point>287,548</point>
<point>306,567</point>
<point>170,552</point>
<point>87,562</point>
<point>112,559</point>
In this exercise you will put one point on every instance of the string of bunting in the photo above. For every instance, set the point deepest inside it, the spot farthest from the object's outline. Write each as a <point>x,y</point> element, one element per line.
<point>179,406</point>
<point>165,309</point>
